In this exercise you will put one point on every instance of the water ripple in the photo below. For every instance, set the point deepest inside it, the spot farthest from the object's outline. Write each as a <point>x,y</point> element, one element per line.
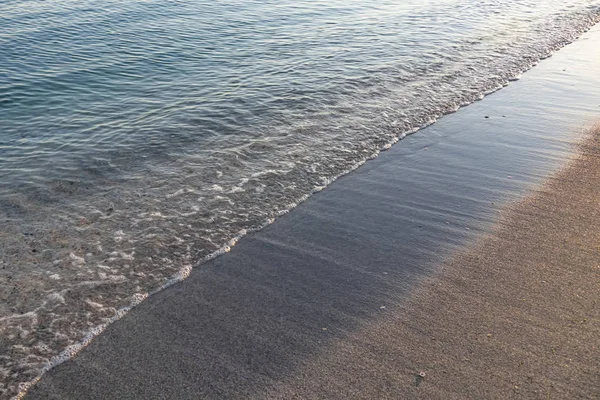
<point>140,137</point>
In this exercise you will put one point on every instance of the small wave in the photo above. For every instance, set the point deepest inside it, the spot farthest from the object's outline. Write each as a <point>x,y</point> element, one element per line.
<point>182,209</point>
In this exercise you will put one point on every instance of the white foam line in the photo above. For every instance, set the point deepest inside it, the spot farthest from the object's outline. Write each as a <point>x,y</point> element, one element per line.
<point>185,272</point>
<point>72,350</point>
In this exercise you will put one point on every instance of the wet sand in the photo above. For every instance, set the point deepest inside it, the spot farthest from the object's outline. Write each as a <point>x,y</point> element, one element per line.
<point>289,308</point>
<point>516,316</point>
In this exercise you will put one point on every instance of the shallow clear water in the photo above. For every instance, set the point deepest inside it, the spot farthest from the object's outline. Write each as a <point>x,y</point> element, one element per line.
<point>138,138</point>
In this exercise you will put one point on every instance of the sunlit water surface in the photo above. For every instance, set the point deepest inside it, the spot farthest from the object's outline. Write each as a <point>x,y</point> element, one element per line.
<point>138,138</point>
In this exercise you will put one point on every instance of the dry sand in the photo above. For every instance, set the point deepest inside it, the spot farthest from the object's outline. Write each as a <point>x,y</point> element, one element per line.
<point>515,316</point>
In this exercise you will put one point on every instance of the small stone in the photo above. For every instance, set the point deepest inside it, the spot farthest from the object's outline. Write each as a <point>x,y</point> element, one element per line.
<point>419,377</point>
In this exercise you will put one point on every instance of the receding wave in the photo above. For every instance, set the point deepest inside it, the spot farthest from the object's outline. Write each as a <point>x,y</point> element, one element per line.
<point>127,160</point>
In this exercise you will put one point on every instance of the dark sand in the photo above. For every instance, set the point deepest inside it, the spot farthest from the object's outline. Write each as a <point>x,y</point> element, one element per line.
<point>516,316</point>
<point>290,307</point>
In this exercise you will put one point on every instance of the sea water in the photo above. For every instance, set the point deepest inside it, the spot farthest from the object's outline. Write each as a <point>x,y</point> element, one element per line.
<point>139,138</point>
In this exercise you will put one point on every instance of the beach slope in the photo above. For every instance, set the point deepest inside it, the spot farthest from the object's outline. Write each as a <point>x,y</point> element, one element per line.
<point>388,273</point>
<point>516,315</point>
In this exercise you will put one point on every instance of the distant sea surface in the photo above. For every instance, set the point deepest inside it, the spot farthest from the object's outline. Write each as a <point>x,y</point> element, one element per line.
<point>139,138</point>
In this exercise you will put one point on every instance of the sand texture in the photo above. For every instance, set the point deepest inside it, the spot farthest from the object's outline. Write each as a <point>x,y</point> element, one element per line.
<point>348,296</point>
<point>515,316</point>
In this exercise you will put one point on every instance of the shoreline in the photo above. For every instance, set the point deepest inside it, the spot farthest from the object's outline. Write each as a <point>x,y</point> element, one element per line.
<point>268,301</point>
<point>514,315</point>
<point>180,275</point>
<point>96,320</point>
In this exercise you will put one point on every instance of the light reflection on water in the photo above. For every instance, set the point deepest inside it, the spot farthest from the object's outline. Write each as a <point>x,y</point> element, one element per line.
<point>138,137</point>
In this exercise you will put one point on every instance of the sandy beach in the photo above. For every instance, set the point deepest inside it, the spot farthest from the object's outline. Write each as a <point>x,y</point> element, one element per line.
<point>461,263</point>
<point>515,316</point>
